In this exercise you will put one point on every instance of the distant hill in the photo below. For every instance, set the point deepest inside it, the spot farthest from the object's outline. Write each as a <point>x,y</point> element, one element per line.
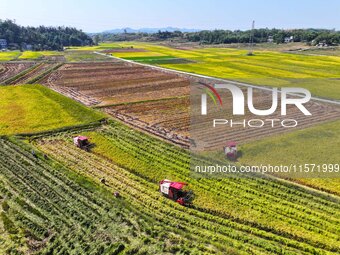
<point>149,30</point>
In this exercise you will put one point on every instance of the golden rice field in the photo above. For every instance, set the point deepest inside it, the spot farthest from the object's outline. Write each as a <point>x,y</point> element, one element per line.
<point>37,109</point>
<point>319,74</point>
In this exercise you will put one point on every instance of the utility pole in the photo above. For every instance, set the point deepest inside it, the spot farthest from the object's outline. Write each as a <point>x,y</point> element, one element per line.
<point>251,39</point>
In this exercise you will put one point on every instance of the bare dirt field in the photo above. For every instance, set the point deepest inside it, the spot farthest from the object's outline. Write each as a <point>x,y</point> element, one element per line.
<point>167,118</point>
<point>37,70</point>
<point>115,83</point>
<point>8,70</point>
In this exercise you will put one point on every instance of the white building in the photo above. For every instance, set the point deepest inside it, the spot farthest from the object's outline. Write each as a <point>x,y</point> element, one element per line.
<point>289,39</point>
<point>3,44</point>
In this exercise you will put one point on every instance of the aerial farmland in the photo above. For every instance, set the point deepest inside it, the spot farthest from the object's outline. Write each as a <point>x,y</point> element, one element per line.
<point>131,129</point>
<point>101,136</point>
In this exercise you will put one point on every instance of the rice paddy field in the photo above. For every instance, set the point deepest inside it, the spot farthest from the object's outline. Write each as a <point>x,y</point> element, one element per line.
<point>319,74</point>
<point>134,162</point>
<point>27,55</point>
<point>10,55</point>
<point>34,108</point>
<point>316,145</point>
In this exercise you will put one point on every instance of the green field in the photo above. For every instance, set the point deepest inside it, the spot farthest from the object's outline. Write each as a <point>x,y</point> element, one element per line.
<point>38,54</point>
<point>239,215</point>
<point>31,55</point>
<point>159,60</point>
<point>46,208</point>
<point>317,145</point>
<point>34,108</point>
<point>319,74</point>
<point>9,55</point>
<point>27,55</point>
<point>83,56</point>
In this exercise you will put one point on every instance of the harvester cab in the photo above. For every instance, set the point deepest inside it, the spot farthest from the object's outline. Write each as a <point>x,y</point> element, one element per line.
<point>82,142</point>
<point>174,191</point>
<point>230,150</point>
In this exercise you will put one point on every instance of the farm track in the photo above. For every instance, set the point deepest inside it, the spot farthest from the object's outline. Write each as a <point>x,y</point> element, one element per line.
<point>97,167</point>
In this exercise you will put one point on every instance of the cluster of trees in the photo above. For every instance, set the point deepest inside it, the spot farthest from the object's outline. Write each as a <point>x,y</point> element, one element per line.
<point>42,38</point>
<point>102,37</point>
<point>314,36</point>
<point>311,36</point>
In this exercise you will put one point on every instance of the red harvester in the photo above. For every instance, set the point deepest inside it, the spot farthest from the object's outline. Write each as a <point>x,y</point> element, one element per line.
<point>231,150</point>
<point>174,191</point>
<point>82,142</point>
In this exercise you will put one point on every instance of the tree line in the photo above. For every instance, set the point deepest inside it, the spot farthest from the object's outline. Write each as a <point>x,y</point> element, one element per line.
<point>42,37</point>
<point>310,36</point>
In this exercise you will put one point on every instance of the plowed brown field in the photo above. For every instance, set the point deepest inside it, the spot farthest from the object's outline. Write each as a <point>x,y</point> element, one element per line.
<point>8,70</point>
<point>158,102</point>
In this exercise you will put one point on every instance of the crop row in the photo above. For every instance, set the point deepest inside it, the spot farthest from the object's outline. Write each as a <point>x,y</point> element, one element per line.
<point>59,215</point>
<point>144,195</point>
<point>169,163</point>
<point>7,70</point>
<point>104,83</point>
<point>147,164</point>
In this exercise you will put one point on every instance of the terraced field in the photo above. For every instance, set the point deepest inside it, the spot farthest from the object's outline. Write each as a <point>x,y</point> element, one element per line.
<point>242,214</point>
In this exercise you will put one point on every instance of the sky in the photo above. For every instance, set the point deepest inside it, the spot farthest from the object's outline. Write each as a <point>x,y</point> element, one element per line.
<point>101,15</point>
